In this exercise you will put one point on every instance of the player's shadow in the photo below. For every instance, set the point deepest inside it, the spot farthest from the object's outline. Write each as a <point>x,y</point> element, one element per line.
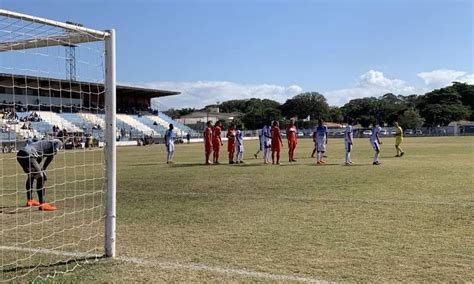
<point>14,209</point>
<point>245,165</point>
<point>51,265</point>
<point>191,165</point>
<point>143,165</point>
<point>322,166</point>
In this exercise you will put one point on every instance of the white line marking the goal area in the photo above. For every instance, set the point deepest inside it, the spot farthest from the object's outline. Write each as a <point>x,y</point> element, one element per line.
<point>175,265</point>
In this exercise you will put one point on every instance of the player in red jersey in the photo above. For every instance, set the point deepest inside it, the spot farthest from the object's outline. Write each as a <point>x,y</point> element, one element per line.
<point>231,133</point>
<point>276,142</point>
<point>208,142</point>
<point>216,142</point>
<point>291,135</point>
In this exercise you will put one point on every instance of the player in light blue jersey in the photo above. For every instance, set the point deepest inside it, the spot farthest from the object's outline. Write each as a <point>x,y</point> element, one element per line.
<point>169,142</point>
<point>375,142</point>
<point>348,139</point>
<point>267,143</point>
<point>239,146</point>
<point>320,135</point>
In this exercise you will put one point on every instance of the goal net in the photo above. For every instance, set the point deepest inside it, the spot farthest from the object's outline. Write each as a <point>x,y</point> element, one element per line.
<point>55,78</point>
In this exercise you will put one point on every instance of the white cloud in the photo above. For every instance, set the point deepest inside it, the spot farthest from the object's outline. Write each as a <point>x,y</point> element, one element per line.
<point>443,77</point>
<point>201,93</point>
<point>371,84</point>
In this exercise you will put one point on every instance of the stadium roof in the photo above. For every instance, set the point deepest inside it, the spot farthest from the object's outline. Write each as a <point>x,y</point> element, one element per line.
<point>32,82</point>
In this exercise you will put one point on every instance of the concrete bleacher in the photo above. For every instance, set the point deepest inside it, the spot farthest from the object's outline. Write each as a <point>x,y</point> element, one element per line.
<point>129,120</point>
<point>94,119</point>
<point>164,121</point>
<point>7,136</point>
<point>86,126</point>
<point>41,127</point>
<point>55,119</point>
<point>180,126</point>
<point>150,123</point>
<point>128,126</point>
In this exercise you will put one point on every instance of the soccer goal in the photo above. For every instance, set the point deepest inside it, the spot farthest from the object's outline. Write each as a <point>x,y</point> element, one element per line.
<point>55,79</point>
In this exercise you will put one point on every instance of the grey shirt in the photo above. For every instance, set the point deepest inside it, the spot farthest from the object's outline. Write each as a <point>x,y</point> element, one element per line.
<point>43,148</point>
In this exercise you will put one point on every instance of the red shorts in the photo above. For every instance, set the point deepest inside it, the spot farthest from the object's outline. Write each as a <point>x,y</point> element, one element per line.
<point>276,147</point>
<point>208,147</point>
<point>216,145</point>
<point>292,144</point>
<point>231,147</point>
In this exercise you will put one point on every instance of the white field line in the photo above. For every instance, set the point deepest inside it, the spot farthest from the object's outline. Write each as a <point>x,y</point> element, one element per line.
<point>316,199</point>
<point>175,265</point>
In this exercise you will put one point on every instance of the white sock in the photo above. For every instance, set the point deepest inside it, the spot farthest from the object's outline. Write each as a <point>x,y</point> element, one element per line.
<point>347,157</point>
<point>376,157</point>
<point>318,156</point>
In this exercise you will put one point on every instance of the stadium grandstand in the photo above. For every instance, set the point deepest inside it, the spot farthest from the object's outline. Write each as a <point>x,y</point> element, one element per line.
<point>32,107</point>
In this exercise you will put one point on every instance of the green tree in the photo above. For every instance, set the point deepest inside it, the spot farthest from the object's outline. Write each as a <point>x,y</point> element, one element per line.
<point>336,114</point>
<point>442,106</point>
<point>466,92</point>
<point>173,113</point>
<point>303,105</point>
<point>410,119</point>
<point>364,111</point>
<point>391,107</point>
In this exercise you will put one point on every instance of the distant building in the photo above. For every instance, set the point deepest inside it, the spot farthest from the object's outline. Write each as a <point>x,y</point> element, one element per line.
<point>201,117</point>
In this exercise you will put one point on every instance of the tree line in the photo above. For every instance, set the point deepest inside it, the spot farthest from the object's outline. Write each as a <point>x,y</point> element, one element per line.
<point>438,107</point>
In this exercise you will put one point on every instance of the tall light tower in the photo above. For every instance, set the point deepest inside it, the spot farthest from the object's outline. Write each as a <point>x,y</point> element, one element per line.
<point>71,57</point>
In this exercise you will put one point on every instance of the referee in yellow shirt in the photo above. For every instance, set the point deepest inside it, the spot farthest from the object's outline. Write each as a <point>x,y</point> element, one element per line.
<point>398,139</point>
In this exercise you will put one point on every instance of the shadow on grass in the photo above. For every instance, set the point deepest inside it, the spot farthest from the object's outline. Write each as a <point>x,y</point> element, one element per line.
<point>51,265</point>
<point>214,165</point>
<point>192,165</point>
<point>144,165</point>
<point>15,209</point>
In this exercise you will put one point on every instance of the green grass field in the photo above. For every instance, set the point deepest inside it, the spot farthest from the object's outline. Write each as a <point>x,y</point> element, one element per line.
<point>411,219</point>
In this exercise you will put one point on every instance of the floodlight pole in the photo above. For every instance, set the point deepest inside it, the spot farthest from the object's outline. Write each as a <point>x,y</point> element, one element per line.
<point>110,109</point>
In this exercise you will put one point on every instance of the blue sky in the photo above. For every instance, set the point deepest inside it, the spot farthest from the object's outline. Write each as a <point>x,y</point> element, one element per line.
<point>219,50</point>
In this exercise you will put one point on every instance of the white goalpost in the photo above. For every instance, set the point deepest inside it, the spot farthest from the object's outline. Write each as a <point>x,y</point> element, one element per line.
<point>53,77</point>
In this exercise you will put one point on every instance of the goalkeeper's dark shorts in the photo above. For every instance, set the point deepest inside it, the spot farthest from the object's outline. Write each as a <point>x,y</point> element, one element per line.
<point>29,164</point>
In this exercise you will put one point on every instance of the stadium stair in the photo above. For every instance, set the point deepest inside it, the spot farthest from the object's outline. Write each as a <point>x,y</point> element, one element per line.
<point>54,119</point>
<point>164,120</point>
<point>83,124</point>
<point>128,120</point>
<point>148,122</point>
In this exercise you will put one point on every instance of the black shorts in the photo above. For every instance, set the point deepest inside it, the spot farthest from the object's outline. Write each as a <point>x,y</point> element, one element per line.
<point>30,165</point>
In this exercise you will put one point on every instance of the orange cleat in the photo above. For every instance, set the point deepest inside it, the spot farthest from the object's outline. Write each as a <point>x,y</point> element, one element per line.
<point>318,163</point>
<point>323,162</point>
<point>32,202</point>
<point>47,207</point>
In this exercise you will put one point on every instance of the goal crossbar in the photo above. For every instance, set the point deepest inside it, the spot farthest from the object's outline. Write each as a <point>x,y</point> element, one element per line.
<point>67,40</point>
<point>70,27</point>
